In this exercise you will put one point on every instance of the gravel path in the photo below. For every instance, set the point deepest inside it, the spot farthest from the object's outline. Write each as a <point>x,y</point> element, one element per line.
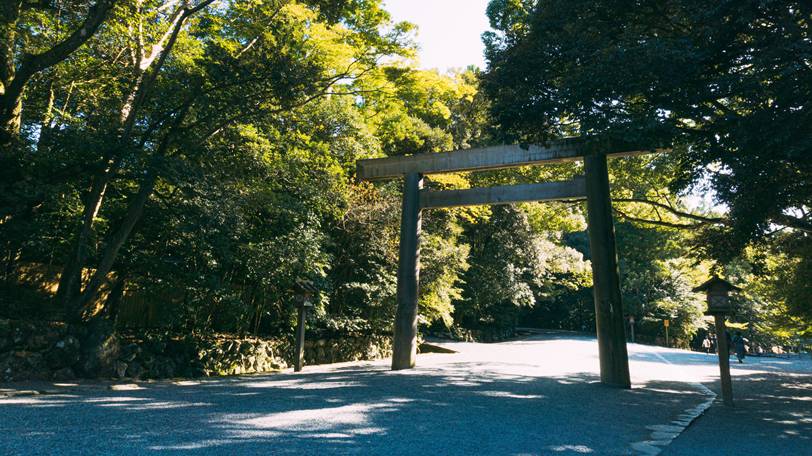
<point>535,396</point>
<point>772,413</point>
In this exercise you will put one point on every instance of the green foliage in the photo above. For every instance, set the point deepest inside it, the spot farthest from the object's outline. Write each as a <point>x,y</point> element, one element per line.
<point>364,249</point>
<point>720,83</point>
<point>724,79</point>
<point>444,259</point>
<point>505,266</point>
<point>189,161</point>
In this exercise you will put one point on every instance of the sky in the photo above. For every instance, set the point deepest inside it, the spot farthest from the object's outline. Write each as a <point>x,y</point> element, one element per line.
<point>449,36</point>
<point>449,31</point>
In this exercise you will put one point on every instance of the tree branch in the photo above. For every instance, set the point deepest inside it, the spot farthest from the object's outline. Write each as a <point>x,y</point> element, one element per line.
<point>32,64</point>
<point>793,222</point>
<point>682,214</point>
<point>681,226</point>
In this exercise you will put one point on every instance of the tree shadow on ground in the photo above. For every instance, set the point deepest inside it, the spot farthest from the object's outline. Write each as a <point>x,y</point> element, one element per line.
<point>772,414</point>
<point>460,408</point>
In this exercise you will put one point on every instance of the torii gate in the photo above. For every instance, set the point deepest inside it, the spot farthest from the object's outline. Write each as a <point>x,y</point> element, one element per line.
<point>614,360</point>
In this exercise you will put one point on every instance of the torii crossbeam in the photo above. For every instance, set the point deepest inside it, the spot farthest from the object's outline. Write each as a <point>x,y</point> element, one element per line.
<point>594,186</point>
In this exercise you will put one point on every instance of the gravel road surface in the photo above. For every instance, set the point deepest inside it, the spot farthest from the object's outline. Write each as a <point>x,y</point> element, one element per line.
<point>535,396</point>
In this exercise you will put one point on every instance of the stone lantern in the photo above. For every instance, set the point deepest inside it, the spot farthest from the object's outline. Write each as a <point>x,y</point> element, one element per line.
<point>718,294</point>
<point>305,290</point>
<point>719,305</point>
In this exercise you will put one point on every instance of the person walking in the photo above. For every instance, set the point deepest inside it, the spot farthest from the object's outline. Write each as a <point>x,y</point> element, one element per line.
<point>706,345</point>
<point>738,345</point>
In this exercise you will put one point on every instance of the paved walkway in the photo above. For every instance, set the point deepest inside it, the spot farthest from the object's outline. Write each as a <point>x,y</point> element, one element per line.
<point>535,396</point>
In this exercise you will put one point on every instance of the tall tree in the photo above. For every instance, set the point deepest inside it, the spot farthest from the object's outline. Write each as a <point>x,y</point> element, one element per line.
<point>731,80</point>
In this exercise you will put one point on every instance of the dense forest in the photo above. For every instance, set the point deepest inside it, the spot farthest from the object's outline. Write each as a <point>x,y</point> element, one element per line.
<point>180,164</point>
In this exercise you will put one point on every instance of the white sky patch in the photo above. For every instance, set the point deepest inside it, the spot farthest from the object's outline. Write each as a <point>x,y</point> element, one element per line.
<point>449,31</point>
<point>702,197</point>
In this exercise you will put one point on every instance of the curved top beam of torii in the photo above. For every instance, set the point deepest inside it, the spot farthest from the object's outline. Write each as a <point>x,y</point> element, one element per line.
<point>494,157</point>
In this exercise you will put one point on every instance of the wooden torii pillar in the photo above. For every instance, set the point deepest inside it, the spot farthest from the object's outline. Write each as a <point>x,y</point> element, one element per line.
<point>594,186</point>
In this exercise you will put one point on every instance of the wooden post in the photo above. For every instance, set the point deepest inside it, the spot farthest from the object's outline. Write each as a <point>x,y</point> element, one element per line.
<point>298,362</point>
<point>614,359</point>
<point>404,346</point>
<point>631,327</point>
<point>724,359</point>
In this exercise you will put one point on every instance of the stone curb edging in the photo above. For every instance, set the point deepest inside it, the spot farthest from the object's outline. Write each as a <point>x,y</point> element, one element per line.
<point>663,434</point>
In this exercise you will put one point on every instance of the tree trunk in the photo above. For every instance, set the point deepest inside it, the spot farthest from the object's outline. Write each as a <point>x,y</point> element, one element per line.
<point>9,14</point>
<point>114,244</point>
<point>100,348</point>
<point>79,307</point>
<point>45,130</point>
<point>10,118</point>
<point>145,76</point>
<point>113,302</point>
<point>70,282</point>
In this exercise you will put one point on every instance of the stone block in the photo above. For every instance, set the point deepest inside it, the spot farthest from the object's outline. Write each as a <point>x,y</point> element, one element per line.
<point>134,370</point>
<point>64,374</point>
<point>120,368</point>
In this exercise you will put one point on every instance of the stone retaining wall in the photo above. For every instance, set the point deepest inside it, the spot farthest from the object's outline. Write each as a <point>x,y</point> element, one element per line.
<point>337,350</point>
<point>165,356</point>
<point>37,351</point>
<point>54,351</point>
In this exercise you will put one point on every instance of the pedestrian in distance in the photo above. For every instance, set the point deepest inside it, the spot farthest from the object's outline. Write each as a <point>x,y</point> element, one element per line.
<point>706,345</point>
<point>738,345</point>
